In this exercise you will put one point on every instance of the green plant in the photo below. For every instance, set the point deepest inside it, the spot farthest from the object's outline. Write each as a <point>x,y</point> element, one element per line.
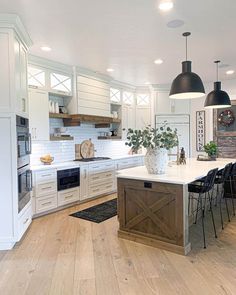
<point>163,137</point>
<point>211,148</point>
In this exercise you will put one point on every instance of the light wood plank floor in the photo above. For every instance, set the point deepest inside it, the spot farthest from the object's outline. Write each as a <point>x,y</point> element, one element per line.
<point>63,255</point>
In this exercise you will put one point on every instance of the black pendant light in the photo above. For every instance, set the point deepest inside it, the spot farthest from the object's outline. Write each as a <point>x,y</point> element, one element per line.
<point>217,98</point>
<point>187,84</point>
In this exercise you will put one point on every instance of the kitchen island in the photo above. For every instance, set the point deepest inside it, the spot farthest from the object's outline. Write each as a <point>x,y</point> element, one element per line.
<point>153,209</point>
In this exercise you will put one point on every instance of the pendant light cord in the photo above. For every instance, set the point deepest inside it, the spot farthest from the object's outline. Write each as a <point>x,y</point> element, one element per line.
<point>186,34</point>
<point>217,69</point>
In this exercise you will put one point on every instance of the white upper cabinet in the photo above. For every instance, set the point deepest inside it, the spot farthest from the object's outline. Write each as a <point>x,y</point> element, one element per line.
<point>38,114</point>
<point>143,110</point>
<point>60,83</point>
<point>93,96</point>
<point>115,95</point>
<point>36,77</point>
<point>13,74</point>
<point>128,98</point>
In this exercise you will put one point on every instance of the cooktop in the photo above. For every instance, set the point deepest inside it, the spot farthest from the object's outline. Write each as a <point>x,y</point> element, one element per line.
<point>93,159</point>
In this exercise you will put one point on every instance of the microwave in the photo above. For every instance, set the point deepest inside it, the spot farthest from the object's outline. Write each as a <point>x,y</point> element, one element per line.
<point>68,178</point>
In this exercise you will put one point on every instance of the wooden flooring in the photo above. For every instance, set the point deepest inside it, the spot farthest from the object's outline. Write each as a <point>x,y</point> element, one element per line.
<point>63,255</point>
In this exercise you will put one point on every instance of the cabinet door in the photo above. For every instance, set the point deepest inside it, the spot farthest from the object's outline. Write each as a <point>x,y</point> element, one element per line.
<point>128,118</point>
<point>84,182</point>
<point>23,80</point>
<point>143,117</point>
<point>38,115</point>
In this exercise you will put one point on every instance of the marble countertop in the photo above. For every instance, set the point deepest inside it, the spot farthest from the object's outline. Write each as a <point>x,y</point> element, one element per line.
<point>176,174</point>
<point>73,164</point>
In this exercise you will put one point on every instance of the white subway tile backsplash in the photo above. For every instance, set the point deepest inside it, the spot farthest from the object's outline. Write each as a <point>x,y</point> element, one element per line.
<point>65,150</point>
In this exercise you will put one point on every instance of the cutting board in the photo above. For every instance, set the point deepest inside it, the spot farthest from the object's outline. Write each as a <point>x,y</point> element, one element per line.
<point>87,149</point>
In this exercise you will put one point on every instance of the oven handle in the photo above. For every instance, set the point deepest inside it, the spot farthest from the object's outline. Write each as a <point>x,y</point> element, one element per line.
<point>28,145</point>
<point>30,186</point>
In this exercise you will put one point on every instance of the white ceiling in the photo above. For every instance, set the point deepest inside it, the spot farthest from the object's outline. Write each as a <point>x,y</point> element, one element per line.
<point>128,35</point>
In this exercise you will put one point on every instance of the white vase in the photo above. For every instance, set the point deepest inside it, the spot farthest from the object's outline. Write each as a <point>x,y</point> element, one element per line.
<point>156,160</point>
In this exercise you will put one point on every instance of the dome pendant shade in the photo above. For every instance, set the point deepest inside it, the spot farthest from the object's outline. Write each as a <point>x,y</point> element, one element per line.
<point>187,84</point>
<point>217,98</point>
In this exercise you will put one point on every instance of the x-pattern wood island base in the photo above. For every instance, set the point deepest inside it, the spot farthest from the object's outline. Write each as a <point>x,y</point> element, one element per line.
<point>153,209</point>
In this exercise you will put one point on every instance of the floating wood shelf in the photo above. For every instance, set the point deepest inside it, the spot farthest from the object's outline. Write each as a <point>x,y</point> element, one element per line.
<point>109,137</point>
<point>76,120</point>
<point>60,138</point>
<point>59,116</point>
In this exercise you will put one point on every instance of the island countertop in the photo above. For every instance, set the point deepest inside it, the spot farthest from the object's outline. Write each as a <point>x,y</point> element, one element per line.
<point>176,174</point>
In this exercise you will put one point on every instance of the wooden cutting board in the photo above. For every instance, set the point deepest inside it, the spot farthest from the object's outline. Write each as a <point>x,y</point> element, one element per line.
<point>87,149</point>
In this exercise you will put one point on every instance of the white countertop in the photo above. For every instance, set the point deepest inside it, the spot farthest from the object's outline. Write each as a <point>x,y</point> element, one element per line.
<point>73,164</point>
<point>177,174</point>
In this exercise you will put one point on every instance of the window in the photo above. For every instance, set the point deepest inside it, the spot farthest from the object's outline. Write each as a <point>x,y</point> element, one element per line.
<point>143,99</point>
<point>36,77</point>
<point>60,82</point>
<point>128,97</point>
<point>115,95</point>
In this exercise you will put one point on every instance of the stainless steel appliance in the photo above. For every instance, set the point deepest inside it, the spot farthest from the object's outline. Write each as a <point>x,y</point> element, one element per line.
<point>23,141</point>
<point>68,178</point>
<point>24,186</point>
<point>92,159</point>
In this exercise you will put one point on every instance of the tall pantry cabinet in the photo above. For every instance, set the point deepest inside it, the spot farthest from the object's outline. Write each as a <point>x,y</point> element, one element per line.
<point>14,42</point>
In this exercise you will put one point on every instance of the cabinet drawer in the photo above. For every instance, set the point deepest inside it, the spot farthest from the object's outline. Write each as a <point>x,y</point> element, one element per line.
<point>46,188</point>
<point>24,221</point>
<point>104,167</point>
<point>46,203</point>
<point>101,189</point>
<point>45,175</point>
<point>68,196</point>
<point>101,177</point>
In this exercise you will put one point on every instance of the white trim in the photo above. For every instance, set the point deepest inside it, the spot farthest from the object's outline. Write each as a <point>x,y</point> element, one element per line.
<point>12,21</point>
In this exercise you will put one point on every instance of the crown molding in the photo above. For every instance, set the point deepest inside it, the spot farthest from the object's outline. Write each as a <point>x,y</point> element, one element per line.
<point>49,64</point>
<point>13,21</point>
<point>93,74</point>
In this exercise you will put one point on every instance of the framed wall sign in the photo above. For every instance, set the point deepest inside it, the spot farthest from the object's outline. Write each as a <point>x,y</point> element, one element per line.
<point>200,131</point>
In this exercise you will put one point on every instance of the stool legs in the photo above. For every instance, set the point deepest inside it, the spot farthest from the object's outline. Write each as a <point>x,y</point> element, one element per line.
<point>232,193</point>
<point>212,216</point>
<point>202,217</point>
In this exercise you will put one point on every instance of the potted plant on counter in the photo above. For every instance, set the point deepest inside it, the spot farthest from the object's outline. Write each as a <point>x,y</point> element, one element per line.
<point>157,142</point>
<point>211,149</point>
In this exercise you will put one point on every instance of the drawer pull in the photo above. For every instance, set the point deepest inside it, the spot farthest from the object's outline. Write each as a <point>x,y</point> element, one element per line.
<point>68,197</point>
<point>96,190</point>
<point>26,221</point>
<point>47,203</point>
<point>95,167</point>
<point>46,175</point>
<point>48,187</point>
<point>95,177</point>
<point>108,186</point>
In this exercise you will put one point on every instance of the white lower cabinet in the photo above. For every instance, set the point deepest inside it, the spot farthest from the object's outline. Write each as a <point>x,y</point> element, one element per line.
<point>46,203</point>
<point>95,179</point>
<point>24,220</point>
<point>68,196</point>
<point>84,172</point>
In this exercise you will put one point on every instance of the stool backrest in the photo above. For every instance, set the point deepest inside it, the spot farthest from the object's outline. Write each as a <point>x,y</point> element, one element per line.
<point>209,180</point>
<point>226,172</point>
<point>233,170</point>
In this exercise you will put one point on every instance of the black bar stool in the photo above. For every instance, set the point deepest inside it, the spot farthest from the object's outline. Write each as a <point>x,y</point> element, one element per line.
<point>231,178</point>
<point>220,179</point>
<point>203,188</point>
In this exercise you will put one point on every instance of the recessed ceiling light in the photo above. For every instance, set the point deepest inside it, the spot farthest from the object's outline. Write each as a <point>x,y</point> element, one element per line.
<point>230,72</point>
<point>175,23</point>
<point>158,61</point>
<point>166,5</point>
<point>109,70</point>
<point>46,48</point>
<point>147,83</point>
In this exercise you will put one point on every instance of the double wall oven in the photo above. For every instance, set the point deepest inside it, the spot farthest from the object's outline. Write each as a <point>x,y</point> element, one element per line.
<point>23,161</point>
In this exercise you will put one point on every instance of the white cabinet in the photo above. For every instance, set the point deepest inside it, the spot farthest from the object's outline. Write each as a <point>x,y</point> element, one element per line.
<point>128,118</point>
<point>60,84</point>
<point>38,114</point>
<point>24,220</point>
<point>84,172</point>
<point>68,196</point>
<point>93,96</point>
<point>143,117</point>
<point>129,162</point>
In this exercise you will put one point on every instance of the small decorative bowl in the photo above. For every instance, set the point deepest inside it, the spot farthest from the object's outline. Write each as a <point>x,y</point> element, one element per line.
<point>47,161</point>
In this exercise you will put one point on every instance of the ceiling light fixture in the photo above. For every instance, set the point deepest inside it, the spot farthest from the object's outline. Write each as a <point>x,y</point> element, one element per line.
<point>187,85</point>
<point>46,48</point>
<point>166,5</point>
<point>230,72</point>
<point>158,61</point>
<point>110,70</point>
<point>217,98</point>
